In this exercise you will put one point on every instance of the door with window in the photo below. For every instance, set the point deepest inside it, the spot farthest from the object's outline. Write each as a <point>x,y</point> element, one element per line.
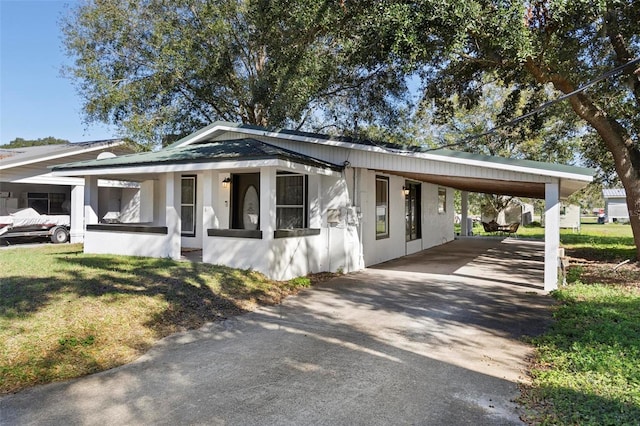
<point>245,201</point>
<point>412,211</point>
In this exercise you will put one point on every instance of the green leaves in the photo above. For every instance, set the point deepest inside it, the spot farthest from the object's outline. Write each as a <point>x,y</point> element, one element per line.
<point>163,69</point>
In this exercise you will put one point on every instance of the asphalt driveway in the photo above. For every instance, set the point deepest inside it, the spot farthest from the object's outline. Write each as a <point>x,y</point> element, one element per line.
<point>432,338</point>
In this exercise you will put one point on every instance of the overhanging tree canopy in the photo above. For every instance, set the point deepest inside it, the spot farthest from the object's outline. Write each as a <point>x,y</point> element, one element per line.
<point>533,46</point>
<point>156,68</point>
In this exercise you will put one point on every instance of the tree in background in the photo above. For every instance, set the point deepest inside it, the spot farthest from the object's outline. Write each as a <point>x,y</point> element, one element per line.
<point>22,143</point>
<point>535,48</point>
<point>159,70</point>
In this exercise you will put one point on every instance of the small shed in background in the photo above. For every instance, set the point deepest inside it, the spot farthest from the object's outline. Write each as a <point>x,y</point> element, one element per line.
<point>615,204</point>
<point>570,216</point>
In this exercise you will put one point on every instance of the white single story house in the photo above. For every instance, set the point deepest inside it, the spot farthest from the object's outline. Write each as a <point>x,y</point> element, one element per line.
<point>26,180</point>
<point>289,203</point>
<point>615,204</point>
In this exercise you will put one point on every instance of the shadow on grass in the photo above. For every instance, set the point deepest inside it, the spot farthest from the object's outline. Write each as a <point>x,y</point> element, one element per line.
<point>185,286</point>
<point>599,248</point>
<point>557,405</point>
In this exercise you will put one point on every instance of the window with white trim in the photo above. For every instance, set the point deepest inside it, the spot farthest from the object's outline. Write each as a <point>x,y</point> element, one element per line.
<point>291,201</point>
<point>188,205</point>
<point>382,207</point>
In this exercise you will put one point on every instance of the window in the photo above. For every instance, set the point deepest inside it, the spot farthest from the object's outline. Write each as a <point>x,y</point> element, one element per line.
<point>46,202</point>
<point>188,205</point>
<point>291,201</point>
<point>382,207</point>
<point>412,211</point>
<point>442,200</point>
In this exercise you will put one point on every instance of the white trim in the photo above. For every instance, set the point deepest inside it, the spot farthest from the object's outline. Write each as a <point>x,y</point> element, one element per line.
<point>92,148</point>
<point>50,179</point>
<point>192,167</point>
<point>360,147</point>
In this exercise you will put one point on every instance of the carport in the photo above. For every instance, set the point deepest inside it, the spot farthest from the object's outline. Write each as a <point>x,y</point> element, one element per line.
<point>469,172</point>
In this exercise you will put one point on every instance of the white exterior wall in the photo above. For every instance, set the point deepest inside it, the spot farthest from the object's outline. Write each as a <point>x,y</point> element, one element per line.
<point>437,228</point>
<point>146,201</point>
<point>380,250</point>
<point>128,243</point>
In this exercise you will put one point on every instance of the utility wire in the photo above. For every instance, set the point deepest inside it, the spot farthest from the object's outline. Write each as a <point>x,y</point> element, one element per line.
<point>542,107</point>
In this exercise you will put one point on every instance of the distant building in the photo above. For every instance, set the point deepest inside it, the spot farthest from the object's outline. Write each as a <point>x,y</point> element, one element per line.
<point>615,204</point>
<point>570,216</point>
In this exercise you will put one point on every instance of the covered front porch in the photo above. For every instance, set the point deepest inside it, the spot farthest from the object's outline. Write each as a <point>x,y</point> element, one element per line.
<point>267,211</point>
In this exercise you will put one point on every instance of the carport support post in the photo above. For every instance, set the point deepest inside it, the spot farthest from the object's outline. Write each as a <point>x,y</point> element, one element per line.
<point>464,198</point>
<point>551,234</point>
<point>77,214</point>
<point>90,200</point>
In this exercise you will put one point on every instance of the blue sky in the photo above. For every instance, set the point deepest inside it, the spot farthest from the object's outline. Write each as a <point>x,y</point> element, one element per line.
<point>35,100</point>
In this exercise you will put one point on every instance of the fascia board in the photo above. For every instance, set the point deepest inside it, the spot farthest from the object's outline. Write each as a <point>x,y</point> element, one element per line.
<point>168,168</point>
<point>50,179</point>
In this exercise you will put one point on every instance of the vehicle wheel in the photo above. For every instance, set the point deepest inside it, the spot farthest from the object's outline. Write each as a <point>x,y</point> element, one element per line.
<point>59,235</point>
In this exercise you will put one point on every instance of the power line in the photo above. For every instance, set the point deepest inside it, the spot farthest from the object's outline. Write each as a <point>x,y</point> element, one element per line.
<point>542,107</point>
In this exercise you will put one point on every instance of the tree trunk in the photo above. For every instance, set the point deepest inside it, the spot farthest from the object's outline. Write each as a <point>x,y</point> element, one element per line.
<point>626,155</point>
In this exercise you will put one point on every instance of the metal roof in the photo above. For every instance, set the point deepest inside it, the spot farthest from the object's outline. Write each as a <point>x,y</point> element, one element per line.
<point>614,193</point>
<point>209,132</point>
<point>237,149</point>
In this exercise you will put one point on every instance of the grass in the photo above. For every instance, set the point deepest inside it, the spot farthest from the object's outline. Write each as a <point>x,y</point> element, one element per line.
<point>587,366</point>
<point>611,241</point>
<point>64,314</point>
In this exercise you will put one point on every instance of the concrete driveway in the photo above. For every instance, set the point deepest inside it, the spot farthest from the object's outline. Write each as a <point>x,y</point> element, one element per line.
<point>432,338</point>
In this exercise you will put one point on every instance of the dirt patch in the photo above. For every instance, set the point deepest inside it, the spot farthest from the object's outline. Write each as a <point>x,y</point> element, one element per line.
<point>624,273</point>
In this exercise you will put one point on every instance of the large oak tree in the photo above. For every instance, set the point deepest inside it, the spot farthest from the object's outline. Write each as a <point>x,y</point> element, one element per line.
<point>158,69</point>
<point>535,46</point>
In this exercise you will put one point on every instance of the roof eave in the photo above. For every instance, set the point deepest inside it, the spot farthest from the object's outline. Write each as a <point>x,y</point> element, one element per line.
<point>66,153</point>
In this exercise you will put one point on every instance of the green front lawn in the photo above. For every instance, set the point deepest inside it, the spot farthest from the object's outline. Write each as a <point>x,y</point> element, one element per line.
<point>587,366</point>
<point>65,314</point>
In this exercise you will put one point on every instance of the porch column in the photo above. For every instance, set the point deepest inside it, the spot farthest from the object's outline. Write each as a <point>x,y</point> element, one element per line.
<point>209,193</point>
<point>464,197</point>
<point>172,217</point>
<point>77,214</point>
<point>90,200</point>
<point>267,202</point>
<point>551,234</point>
